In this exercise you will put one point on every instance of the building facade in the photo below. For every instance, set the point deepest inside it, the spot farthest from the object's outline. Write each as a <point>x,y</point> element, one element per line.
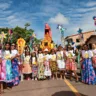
<point>79,41</point>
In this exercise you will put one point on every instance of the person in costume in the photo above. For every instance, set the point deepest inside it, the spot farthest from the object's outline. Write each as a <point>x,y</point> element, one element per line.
<point>27,70</point>
<point>9,74</point>
<point>94,56</point>
<point>2,70</point>
<point>15,65</point>
<point>88,73</point>
<point>40,65</point>
<point>60,62</point>
<point>34,66</point>
<point>70,63</point>
<point>47,70</point>
<point>53,64</point>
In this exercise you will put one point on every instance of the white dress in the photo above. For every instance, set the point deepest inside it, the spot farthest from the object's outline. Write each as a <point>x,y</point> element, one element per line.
<point>47,71</point>
<point>60,60</point>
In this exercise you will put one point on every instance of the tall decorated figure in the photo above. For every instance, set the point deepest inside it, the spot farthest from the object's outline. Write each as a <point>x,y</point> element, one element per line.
<point>47,41</point>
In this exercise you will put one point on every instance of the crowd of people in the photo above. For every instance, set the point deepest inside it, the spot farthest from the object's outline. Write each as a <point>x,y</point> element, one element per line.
<point>44,64</point>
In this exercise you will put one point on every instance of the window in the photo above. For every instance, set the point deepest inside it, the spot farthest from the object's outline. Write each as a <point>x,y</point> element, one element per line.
<point>70,40</point>
<point>77,40</point>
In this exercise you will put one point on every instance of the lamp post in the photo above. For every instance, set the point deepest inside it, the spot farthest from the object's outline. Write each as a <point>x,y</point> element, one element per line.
<point>62,30</point>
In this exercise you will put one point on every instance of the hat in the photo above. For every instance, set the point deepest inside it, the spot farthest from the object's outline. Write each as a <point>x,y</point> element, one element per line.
<point>46,50</point>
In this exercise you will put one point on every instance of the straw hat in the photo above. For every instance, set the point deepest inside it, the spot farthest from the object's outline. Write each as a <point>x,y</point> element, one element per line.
<point>46,50</point>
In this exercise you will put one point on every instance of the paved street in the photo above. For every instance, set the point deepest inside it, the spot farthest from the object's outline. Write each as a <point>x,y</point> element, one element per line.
<point>50,88</point>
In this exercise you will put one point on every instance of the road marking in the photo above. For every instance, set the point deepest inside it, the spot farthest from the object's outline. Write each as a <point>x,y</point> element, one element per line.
<point>72,88</point>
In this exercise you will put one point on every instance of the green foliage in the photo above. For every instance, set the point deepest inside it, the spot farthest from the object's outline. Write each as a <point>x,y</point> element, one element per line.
<point>19,32</point>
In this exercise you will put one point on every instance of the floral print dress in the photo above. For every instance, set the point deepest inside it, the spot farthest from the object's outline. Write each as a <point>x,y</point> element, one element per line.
<point>88,73</point>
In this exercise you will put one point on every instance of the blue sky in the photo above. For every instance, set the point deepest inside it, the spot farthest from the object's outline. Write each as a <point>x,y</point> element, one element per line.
<point>72,14</point>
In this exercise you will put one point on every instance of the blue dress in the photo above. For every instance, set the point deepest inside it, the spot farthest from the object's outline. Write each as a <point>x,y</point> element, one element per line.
<point>88,73</point>
<point>15,68</point>
<point>15,71</point>
<point>9,75</point>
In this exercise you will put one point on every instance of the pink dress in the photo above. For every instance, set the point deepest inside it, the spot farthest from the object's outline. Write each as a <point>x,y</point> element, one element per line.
<point>2,68</point>
<point>94,58</point>
<point>70,62</point>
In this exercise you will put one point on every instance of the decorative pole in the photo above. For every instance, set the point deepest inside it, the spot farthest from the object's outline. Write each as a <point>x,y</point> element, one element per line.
<point>2,37</point>
<point>80,36</point>
<point>94,18</point>
<point>62,30</point>
<point>32,41</point>
<point>10,32</point>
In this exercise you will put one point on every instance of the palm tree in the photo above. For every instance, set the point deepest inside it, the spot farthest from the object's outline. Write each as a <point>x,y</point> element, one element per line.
<point>27,25</point>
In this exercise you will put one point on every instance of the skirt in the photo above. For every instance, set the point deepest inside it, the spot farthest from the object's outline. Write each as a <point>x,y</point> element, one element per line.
<point>34,70</point>
<point>94,61</point>
<point>41,70</point>
<point>26,69</point>
<point>3,71</point>
<point>71,65</point>
<point>9,74</point>
<point>61,64</point>
<point>88,73</point>
<point>47,70</point>
<point>15,71</point>
<point>53,65</point>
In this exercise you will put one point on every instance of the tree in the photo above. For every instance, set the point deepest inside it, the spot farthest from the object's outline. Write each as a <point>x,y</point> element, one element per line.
<point>27,25</point>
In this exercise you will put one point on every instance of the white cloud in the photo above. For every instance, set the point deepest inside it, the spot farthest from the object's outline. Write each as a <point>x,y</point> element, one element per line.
<point>59,19</point>
<point>86,9</point>
<point>90,4</point>
<point>4,6</point>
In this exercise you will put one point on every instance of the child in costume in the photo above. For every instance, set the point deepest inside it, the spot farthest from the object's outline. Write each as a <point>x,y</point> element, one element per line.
<point>26,70</point>
<point>9,74</point>
<point>34,66</point>
<point>53,64</point>
<point>40,65</point>
<point>15,65</point>
<point>2,70</point>
<point>60,62</point>
<point>47,70</point>
<point>88,73</point>
<point>94,56</point>
<point>70,63</point>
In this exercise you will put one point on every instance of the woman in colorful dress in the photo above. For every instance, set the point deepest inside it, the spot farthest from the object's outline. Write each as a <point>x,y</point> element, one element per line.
<point>34,66</point>
<point>47,70</point>
<point>88,73</point>
<point>61,62</point>
<point>70,63</point>
<point>53,64</point>
<point>40,65</point>
<point>94,56</point>
<point>27,70</point>
<point>15,65</point>
<point>2,71</point>
<point>9,74</point>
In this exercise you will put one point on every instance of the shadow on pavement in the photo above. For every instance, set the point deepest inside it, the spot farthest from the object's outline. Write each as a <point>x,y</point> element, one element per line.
<point>66,93</point>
